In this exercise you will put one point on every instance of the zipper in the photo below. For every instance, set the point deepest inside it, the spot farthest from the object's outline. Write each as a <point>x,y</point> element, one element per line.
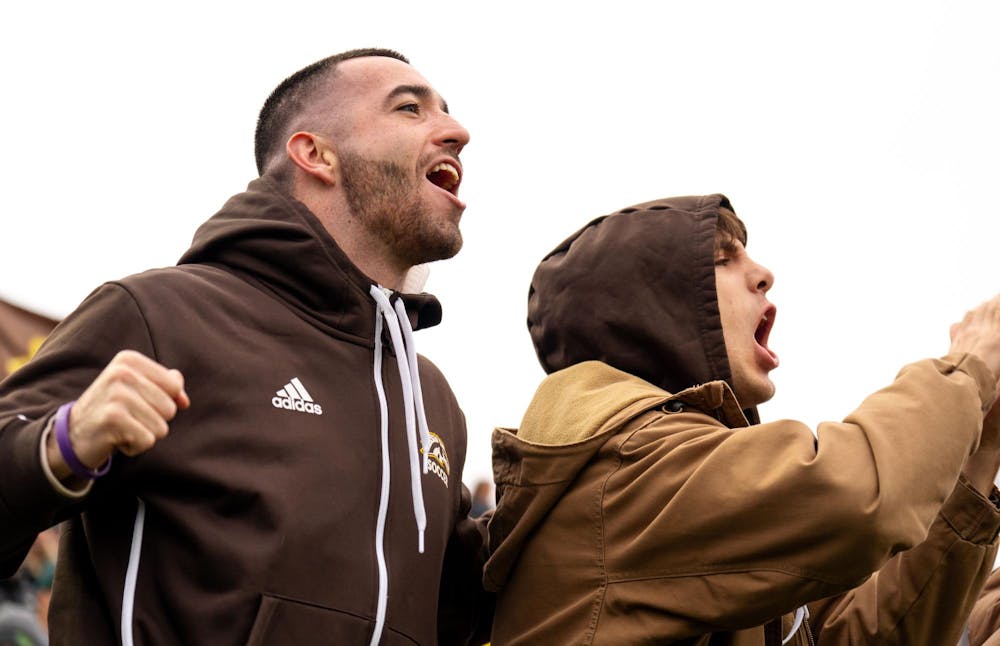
<point>801,619</point>
<point>132,573</point>
<point>393,318</point>
<point>383,504</point>
<point>809,632</point>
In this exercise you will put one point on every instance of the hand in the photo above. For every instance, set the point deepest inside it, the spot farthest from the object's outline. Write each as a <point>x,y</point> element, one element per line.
<point>979,334</point>
<point>126,409</point>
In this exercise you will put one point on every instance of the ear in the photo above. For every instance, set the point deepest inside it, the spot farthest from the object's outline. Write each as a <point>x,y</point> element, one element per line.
<point>314,155</point>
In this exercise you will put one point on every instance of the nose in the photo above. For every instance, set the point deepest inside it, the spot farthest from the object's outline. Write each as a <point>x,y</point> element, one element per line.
<point>452,134</point>
<point>761,278</point>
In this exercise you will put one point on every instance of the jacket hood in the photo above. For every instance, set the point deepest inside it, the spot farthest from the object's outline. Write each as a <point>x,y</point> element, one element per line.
<point>636,290</point>
<point>273,241</point>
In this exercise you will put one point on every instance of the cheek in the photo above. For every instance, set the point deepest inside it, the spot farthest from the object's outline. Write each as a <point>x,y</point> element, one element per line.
<point>729,314</point>
<point>728,326</point>
<point>726,306</point>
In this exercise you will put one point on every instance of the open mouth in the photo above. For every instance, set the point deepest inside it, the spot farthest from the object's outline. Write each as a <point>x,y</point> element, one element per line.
<point>763,331</point>
<point>445,175</point>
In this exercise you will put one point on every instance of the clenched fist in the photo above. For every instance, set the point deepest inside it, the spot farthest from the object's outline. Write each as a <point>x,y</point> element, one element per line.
<point>126,409</point>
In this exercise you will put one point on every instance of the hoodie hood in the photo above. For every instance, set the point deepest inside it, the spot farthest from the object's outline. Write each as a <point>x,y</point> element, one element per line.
<point>273,241</point>
<point>635,290</point>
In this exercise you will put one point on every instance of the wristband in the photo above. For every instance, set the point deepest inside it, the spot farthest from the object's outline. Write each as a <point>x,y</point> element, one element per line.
<point>66,449</point>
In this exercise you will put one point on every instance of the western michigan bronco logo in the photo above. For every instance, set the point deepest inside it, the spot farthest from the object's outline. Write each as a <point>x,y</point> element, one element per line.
<point>437,459</point>
<point>294,396</point>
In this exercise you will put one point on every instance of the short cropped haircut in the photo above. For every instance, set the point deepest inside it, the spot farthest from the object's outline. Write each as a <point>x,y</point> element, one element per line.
<point>293,95</point>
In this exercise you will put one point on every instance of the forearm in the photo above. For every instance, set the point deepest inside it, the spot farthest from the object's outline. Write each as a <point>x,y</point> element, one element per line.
<point>32,495</point>
<point>28,502</point>
<point>981,467</point>
<point>923,595</point>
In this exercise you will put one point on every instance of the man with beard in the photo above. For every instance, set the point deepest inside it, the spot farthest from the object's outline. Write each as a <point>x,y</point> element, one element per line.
<point>245,448</point>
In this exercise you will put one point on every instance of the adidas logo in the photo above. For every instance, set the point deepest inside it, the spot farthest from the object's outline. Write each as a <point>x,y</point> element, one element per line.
<point>294,396</point>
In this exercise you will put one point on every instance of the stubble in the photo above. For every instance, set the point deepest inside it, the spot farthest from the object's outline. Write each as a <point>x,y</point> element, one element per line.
<point>386,198</point>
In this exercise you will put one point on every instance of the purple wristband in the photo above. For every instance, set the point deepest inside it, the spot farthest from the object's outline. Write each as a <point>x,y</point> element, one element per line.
<point>66,449</point>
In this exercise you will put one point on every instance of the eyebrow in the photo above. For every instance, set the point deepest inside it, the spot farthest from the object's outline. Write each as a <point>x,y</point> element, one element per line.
<point>419,91</point>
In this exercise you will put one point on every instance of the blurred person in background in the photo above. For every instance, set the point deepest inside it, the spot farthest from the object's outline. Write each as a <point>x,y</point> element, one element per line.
<point>482,498</point>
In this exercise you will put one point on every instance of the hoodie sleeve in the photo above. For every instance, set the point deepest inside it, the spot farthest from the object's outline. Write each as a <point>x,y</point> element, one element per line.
<point>70,359</point>
<point>732,527</point>
<point>922,595</point>
<point>465,614</point>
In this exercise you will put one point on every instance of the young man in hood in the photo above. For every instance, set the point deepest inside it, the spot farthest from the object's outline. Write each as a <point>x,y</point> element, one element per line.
<point>642,502</point>
<point>246,447</point>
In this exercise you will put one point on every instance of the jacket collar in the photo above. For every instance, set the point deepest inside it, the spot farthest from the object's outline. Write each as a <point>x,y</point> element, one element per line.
<point>715,398</point>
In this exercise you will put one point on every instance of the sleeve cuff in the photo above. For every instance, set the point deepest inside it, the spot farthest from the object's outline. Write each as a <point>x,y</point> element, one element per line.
<point>61,488</point>
<point>971,515</point>
<point>978,370</point>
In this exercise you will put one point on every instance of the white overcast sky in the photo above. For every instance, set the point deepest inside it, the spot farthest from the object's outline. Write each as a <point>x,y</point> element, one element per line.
<point>858,140</point>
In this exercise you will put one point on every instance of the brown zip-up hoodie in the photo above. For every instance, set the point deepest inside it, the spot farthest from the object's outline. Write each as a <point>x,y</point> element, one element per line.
<point>256,520</point>
<point>639,506</point>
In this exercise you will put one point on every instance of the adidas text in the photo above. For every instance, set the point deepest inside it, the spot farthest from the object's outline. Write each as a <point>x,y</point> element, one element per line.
<point>297,404</point>
<point>294,396</point>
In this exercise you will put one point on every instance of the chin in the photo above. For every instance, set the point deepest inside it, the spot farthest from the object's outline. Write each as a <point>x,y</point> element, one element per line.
<point>750,395</point>
<point>447,245</point>
<point>766,398</point>
<point>434,252</point>
<point>766,394</point>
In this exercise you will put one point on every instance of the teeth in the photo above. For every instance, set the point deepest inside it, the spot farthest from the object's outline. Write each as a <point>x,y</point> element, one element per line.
<point>450,170</point>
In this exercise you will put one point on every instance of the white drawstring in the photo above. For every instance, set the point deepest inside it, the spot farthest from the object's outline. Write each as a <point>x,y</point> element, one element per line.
<point>383,500</point>
<point>132,573</point>
<point>801,614</point>
<point>418,393</point>
<point>406,360</point>
<point>413,409</point>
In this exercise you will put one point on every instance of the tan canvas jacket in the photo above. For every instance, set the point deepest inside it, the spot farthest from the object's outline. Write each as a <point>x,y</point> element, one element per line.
<point>629,515</point>
<point>984,624</point>
<point>640,505</point>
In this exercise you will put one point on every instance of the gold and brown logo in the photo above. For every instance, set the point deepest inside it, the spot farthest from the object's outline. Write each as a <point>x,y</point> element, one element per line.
<point>437,459</point>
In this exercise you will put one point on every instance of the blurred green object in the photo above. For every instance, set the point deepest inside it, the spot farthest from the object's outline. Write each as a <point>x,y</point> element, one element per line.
<point>19,626</point>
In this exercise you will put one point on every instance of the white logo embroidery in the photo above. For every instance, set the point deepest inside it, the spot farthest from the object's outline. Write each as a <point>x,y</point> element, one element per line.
<point>294,396</point>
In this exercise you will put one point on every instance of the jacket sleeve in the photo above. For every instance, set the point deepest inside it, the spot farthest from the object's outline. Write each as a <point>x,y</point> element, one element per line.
<point>465,610</point>
<point>984,621</point>
<point>922,595</point>
<point>70,359</point>
<point>747,524</point>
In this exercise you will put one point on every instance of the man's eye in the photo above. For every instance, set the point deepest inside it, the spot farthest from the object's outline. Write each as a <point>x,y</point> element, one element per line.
<point>411,107</point>
<point>722,261</point>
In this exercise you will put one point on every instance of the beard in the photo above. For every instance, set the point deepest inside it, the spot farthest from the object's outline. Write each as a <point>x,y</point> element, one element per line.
<point>386,198</point>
